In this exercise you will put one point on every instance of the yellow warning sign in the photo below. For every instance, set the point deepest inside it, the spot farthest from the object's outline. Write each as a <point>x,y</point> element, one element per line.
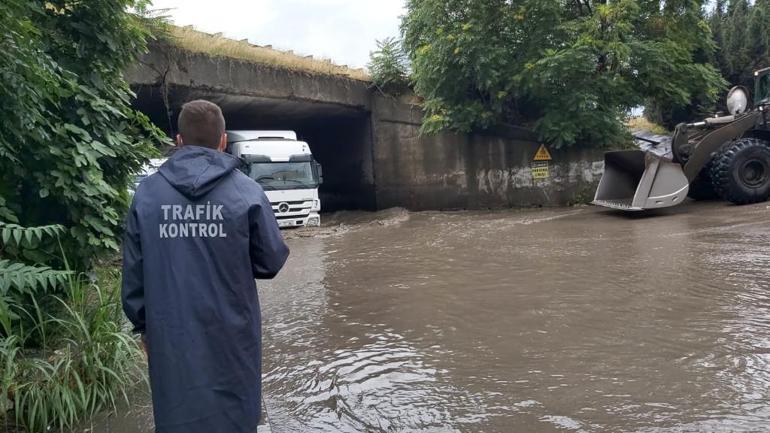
<point>540,170</point>
<point>543,154</point>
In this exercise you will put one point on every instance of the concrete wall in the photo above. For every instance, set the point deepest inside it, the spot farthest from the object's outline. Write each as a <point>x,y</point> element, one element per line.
<point>451,171</point>
<point>241,78</point>
<point>373,154</point>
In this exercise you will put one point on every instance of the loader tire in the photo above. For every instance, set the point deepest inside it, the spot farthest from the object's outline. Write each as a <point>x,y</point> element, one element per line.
<point>701,189</point>
<point>740,173</point>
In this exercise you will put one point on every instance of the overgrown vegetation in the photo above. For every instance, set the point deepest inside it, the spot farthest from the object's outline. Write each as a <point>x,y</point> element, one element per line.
<point>69,141</point>
<point>64,352</point>
<point>215,45</point>
<point>69,146</point>
<point>572,69</point>
<point>389,67</point>
<point>20,281</point>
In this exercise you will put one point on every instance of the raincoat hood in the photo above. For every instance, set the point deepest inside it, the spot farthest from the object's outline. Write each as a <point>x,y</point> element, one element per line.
<point>194,170</point>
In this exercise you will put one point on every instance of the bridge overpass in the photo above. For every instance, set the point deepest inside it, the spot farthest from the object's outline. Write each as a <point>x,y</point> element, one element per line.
<point>369,144</point>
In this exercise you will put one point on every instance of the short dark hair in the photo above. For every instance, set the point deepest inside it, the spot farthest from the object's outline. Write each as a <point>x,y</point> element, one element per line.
<point>201,123</point>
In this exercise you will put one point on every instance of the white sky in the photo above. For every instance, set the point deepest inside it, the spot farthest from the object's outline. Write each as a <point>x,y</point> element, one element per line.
<point>342,30</point>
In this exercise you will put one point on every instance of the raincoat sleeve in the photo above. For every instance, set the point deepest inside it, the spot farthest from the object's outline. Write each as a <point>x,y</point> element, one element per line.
<point>132,293</point>
<point>267,248</point>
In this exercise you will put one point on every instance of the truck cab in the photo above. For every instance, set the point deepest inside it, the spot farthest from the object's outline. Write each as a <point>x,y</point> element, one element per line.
<point>286,170</point>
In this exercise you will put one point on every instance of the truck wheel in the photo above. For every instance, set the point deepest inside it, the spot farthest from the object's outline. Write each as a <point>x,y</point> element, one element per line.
<point>741,171</point>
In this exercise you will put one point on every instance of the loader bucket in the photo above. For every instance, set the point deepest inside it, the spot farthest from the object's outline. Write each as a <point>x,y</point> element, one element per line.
<point>634,180</point>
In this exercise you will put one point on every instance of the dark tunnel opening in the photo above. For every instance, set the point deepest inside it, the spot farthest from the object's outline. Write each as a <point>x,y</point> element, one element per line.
<point>339,136</point>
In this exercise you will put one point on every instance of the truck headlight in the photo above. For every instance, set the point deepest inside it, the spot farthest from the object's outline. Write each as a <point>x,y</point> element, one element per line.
<point>314,221</point>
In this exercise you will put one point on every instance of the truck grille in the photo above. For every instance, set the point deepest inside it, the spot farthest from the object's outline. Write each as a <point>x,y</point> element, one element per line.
<point>291,209</point>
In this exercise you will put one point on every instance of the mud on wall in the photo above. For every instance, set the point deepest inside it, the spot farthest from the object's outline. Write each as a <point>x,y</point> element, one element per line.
<point>453,171</point>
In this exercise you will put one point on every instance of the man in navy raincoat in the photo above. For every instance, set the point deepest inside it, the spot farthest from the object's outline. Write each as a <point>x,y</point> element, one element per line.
<point>198,233</point>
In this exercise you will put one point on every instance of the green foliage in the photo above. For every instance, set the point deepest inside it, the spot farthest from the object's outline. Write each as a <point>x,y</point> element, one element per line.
<point>93,365</point>
<point>742,32</point>
<point>14,235</point>
<point>29,279</point>
<point>69,141</point>
<point>69,145</point>
<point>64,352</point>
<point>19,280</point>
<point>572,70</point>
<point>389,68</point>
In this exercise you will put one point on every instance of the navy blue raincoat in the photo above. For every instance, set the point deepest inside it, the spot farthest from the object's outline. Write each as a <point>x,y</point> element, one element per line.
<point>198,233</point>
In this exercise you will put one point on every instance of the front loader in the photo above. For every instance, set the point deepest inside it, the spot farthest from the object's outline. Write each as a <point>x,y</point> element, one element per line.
<point>726,157</point>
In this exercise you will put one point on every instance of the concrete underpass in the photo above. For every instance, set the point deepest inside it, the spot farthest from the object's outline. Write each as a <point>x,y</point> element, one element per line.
<point>369,144</point>
<point>339,136</point>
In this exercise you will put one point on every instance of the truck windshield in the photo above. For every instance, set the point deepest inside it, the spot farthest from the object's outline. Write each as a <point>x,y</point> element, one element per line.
<point>283,175</point>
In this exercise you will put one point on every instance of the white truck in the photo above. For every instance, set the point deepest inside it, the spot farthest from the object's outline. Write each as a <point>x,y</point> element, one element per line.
<point>286,170</point>
<point>148,169</point>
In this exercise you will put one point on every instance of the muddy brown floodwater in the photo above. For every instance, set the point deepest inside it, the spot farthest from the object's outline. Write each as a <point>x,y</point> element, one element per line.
<point>575,320</point>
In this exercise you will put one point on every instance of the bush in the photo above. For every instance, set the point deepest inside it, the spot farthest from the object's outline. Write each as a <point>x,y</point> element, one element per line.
<point>69,146</point>
<point>86,363</point>
<point>64,352</point>
<point>69,140</point>
<point>20,281</point>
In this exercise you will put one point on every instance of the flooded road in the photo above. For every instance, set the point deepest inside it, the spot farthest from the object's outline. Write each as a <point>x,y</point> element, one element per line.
<point>576,320</point>
<point>572,320</point>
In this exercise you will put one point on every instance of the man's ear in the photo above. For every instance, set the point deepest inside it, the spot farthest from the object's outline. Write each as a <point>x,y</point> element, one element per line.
<point>179,141</point>
<point>223,142</point>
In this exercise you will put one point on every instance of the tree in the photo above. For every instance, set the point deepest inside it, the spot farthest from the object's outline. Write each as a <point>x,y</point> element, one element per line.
<point>759,32</point>
<point>736,47</point>
<point>69,140</point>
<point>571,69</point>
<point>742,32</point>
<point>388,67</point>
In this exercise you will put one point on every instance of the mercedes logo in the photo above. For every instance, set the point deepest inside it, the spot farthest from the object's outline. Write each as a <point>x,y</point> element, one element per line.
<point>283,207</point>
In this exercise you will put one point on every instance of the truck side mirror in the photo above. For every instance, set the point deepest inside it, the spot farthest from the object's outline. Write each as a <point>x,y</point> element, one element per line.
<point>320,172</point>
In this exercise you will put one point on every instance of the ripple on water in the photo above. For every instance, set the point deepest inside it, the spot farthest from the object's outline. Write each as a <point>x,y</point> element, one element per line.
<point>383,385</point>
<point>557,320</point>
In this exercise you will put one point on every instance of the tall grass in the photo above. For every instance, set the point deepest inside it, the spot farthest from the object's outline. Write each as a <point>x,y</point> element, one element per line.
<point>85,363</point>
<point>215,45</point>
